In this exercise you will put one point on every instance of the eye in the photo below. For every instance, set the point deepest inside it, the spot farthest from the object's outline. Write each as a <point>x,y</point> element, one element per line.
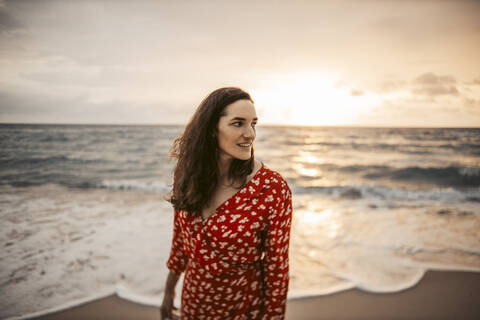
<point>254,124</point>
<point>237,124</point>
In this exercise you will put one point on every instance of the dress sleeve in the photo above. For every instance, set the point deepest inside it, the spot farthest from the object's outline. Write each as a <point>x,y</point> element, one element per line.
<point>276,258</point>
<point>177,261</point>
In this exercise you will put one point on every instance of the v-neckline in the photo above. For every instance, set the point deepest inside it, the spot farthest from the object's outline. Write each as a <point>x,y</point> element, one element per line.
<point>204,220</point>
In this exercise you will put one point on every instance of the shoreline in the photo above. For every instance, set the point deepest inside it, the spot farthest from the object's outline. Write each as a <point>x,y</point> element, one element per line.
<point>438,295</point>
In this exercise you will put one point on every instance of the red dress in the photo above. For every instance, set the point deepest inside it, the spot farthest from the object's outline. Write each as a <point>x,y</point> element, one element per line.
<point>225,256</point>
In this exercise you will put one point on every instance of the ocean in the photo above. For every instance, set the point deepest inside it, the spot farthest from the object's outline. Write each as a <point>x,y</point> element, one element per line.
<point>83,210</point>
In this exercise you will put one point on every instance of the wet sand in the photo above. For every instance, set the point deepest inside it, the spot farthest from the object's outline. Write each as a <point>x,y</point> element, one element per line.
<point>439,295</point>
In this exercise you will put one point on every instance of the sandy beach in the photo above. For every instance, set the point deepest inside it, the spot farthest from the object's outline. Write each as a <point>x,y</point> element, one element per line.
<point>439,295</point>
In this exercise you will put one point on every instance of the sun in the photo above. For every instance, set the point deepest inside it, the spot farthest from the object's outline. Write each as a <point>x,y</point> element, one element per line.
<point>310,99</point>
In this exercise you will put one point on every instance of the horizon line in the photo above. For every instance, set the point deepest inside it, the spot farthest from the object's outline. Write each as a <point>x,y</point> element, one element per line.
<point>260,125</point>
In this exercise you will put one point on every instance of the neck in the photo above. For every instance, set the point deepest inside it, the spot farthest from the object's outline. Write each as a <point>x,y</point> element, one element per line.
<point>223,166</point>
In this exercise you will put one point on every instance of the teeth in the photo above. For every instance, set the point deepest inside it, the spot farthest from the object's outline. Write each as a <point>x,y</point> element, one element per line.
<point>244,145</point>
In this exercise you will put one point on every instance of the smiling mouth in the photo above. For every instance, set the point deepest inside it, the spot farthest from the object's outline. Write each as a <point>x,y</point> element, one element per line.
<point>244,145</point>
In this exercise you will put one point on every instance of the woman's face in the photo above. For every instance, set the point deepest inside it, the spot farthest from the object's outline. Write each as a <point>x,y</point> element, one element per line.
<point>236,130</point>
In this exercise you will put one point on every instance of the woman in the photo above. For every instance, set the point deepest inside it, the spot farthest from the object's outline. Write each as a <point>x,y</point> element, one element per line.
<point>232,218</point>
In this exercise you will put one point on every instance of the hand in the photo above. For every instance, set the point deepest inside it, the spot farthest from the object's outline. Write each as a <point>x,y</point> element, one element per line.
<point>167,307</point>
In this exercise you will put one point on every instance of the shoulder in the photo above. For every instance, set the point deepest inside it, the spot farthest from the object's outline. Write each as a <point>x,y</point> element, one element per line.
<point>273,180</point>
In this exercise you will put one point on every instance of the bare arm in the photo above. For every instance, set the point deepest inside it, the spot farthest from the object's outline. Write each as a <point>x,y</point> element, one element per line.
<point>169,295</point>
<point>176,264</point>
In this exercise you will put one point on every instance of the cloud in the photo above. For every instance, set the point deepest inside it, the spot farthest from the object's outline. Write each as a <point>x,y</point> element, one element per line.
<point>389,85</point>
<point>20,106</point>
<point>95,77</point>
<point>92,53</point>
<point>7,21</point>
<point>433,91</point>
<point>430,78</point>
<point>472,103</point>
<point>422,113</point>
<point>431,85</point>
<point>356,93</point>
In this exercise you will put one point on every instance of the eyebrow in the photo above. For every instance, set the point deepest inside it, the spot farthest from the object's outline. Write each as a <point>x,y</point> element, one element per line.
<point>243,119</point>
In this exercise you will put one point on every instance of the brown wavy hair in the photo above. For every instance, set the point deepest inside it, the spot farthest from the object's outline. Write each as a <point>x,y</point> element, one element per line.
<point>196,173</point>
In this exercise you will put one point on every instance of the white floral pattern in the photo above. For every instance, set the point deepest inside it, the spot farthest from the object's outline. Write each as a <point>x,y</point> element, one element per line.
<point>227,283</point>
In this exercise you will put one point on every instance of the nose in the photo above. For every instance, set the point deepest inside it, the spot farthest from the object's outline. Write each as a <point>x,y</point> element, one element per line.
<point>249,133</point>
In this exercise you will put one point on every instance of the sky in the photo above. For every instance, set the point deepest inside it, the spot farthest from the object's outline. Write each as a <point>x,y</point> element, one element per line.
<point>357,62</point>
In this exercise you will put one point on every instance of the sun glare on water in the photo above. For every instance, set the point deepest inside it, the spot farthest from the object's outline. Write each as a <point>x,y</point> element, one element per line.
<point>310,99</point>
<point>313,222</point>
